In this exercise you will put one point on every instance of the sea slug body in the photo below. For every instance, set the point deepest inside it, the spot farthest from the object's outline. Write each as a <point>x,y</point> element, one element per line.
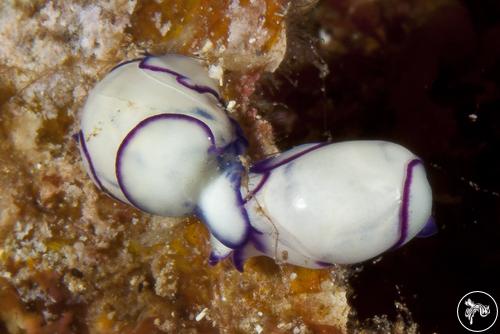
<point>153,131</point>
<point>343,203</point>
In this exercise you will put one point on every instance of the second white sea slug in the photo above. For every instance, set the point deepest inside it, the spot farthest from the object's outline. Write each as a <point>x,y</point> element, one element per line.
<point>320,204</point>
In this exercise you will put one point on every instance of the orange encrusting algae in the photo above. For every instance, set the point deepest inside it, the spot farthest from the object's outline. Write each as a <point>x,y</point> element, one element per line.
<point>219,29</point>
<point>273,21</point>
<point>183,25</point>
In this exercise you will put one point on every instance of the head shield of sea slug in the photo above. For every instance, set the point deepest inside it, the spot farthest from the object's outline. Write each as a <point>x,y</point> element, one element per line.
<point>154,131</point>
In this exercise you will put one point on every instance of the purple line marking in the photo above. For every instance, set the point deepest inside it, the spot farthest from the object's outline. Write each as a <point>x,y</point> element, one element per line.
<point>181,79</point>
<point>125,63</point>
<point>235,179</point>
<point>203,113</point>
<point>255,238</point>
<point>430,228</point>
<point>405,203</point>
<point>267,165</point>
<point>241,142</point>
<point>81,140</point>
<point>239,258</point>
<point>130,136</point>
<point>216,234</point>
<point>259,186</point>
<point>324,264</point>
<point>89,160</point>
<point>214,259</point>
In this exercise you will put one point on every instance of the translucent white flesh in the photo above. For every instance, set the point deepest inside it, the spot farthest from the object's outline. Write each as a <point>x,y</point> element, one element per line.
<point>127,96</point>
<point>218,249</point>
<point>163,174</point>
<point>222,211</point>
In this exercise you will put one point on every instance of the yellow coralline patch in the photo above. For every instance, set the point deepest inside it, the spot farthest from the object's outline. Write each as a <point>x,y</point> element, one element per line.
<point>307,280</point>
<point>104,324</point>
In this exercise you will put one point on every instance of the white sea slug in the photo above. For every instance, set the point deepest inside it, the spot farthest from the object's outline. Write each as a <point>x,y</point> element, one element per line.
<point>319,204</point>
<point>153,132</point>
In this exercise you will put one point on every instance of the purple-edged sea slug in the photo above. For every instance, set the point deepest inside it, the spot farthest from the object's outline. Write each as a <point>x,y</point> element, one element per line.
<point>319,204</point>
<point>155,135</point>
<point>154,132</point>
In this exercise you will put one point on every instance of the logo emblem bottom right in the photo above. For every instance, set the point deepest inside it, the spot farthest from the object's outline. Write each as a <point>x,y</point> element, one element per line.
<point>477,311</point>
